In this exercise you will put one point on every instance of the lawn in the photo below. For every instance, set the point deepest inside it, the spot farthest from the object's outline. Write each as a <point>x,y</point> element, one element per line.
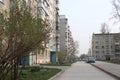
<point>113,61</point>
<point>37,73</point>
<point>60,64</point>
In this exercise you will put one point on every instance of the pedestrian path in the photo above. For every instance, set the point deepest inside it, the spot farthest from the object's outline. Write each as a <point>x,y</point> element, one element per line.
<point>83,71</point>
<point>113,69</point>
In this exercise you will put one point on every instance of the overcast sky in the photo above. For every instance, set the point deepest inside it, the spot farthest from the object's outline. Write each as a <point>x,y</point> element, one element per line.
<point>85,17</point>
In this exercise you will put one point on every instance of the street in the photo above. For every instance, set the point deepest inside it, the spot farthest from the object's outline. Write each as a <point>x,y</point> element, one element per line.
<point>83,71</point>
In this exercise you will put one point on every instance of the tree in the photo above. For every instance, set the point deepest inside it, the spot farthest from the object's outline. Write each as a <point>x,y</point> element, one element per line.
<point>116,10</point>
<point>116,13</point>
<point>74,51</point>
<point>76,47</point>
<point>20,33</point>
<point>104,28</point>
<point>83,56</point>
<point>61,56</point>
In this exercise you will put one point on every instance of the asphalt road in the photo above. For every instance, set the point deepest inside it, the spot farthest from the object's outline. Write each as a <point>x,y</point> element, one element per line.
<point>83,71</point>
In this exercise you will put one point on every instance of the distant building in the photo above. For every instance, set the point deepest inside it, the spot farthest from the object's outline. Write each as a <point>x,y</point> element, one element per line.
<point>66,39</point>
<point>63,33</point>
<point>106,46</point>
<point>89,52</point>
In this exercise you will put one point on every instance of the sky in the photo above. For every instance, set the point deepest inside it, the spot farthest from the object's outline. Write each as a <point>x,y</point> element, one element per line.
<point>85,18</point>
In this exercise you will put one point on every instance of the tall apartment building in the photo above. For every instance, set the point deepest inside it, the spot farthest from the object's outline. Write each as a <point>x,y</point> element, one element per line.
<point>66,39</point>
<point>49,10</point>
<point>106,46</point>
<point>53,53</point>
<point>63,33</point>
<point>71,45</point>
<point>57,29</point>
<point>89,52</point>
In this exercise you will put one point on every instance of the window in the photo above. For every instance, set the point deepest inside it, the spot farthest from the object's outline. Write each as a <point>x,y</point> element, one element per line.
<point>97,47</point>
<point>103,52</point>
<point>107,46</point>
<point>96,42</point>
<point>102,46</point>
<point>97,52</point>
<point>111,46</point>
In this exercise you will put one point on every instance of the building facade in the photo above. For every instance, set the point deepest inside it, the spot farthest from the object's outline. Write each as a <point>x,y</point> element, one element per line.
<point>48,9</point>
<point>63,33</point>
<point>66,39</point>
<point>106,46</point>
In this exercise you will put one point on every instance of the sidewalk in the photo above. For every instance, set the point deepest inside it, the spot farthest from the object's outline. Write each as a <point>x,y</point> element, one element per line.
<point>83,71</point>
<point>112,69</point>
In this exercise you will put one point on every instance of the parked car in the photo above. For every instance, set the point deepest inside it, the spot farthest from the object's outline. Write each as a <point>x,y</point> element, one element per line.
<point>90,60</point>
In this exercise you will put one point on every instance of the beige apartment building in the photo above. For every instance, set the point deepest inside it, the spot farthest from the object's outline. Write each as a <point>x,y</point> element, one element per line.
<point>49,10</point>
<point>106,46</point>
<point>71,45</point>
<point>66,39</point>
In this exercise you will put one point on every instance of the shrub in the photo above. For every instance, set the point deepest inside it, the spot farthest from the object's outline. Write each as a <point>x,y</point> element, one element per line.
<point>35,69</point>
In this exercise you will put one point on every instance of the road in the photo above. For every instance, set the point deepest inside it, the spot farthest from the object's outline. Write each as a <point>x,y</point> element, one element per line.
<point>83,71</point>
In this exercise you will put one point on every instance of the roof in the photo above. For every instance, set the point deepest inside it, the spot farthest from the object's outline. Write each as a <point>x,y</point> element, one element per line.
<point>107,34</point>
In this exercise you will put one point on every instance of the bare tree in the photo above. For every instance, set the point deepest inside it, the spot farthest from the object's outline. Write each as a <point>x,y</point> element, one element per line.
<point>76,47</point>
<point>61,56</point>
<point>116,10</point>
<point>20,33</point>
<point>104,28</point>
<point>116,15</point>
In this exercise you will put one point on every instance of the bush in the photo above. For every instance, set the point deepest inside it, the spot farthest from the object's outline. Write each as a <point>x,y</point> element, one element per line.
<point>37,73</point>
<point>60,63</point>
<point>115,61</point>
<point>34,69</point>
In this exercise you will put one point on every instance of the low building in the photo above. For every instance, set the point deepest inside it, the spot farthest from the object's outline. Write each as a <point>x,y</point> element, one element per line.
<point>106,46</point>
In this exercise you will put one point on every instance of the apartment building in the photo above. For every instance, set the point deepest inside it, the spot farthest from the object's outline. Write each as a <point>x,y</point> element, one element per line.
<point>66,39</point>
<point>49,9</point>
<point>106,46</point>
<point>89,52</point>
<point>71,44</point>
<point>53,54</point>
<point>63,33</point>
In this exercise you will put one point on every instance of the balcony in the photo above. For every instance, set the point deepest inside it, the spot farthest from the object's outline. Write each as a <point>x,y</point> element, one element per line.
<point>117,53</point>
<point>117,43</point>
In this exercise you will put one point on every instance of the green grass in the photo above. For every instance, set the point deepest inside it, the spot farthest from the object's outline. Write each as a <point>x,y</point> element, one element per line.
<point>112,61</point>
<point>36,73</point>
<point>60,64</point>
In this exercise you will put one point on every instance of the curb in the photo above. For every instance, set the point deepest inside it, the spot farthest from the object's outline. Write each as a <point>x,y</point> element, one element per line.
<point>56,75</point>
<point>115,76</point>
